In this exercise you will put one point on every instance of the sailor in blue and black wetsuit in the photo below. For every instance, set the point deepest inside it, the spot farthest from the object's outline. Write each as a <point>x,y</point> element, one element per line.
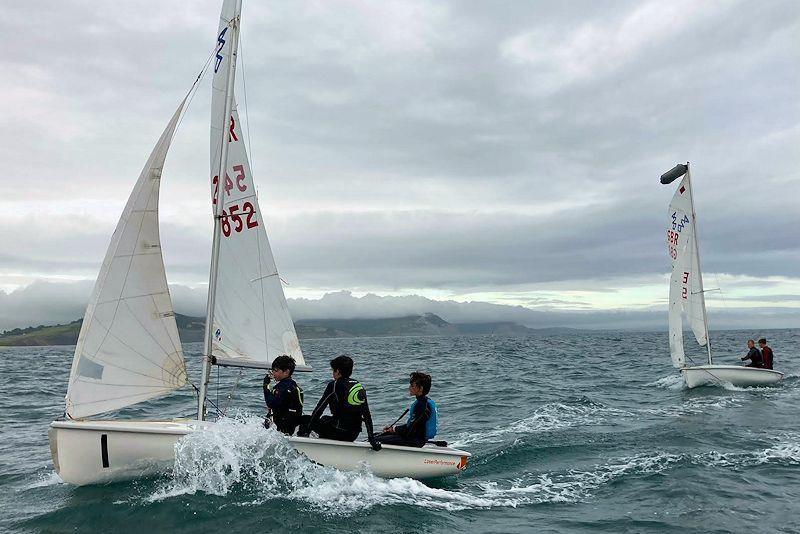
<point>285,398</point>
<point>423,416</point>
<point>347,400</point>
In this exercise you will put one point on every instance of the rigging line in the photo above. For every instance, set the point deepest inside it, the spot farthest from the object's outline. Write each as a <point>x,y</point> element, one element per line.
<point>246,108</point>
<point>721,293</point>
<point>232,393</point>
<point>197,391</point>
<point>195,86</point>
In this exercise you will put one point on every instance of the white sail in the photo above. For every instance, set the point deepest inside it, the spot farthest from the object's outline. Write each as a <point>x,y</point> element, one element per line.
<point>252,324</point>
<point>128,349</point>
<point>686,294</point>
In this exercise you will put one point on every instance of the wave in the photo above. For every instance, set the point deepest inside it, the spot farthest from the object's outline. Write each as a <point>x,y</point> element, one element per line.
<point>239,454</point>
<point>44,480</point>
<point>550,417</point>
<point>577,485</point>
<point>240,459</point>
<point>672,381</point>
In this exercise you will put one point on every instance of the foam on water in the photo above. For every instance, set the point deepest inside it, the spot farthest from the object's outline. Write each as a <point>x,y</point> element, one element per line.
<point>673,381</point>
<point>44,480</point>
<point>239,454</point>
<point>252,465</point>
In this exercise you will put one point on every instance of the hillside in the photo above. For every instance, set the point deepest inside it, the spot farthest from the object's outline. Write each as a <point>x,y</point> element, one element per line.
<point>191,329</point>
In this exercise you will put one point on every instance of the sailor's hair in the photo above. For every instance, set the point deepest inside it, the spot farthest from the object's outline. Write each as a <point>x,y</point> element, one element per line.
<point>762,340</point>
<point>751,341</point>
<point>422,380</point>
<point>343,364</point>
<point>284,363</point>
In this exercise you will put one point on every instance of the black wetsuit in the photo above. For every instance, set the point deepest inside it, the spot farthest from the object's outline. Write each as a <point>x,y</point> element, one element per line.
<point>347,400</point>
<point>285,400</point>
<point>755,358</point>
<point>413,433</point>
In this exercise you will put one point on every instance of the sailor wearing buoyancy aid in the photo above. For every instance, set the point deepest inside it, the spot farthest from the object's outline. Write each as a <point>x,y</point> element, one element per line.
<point>347,400</point>
<point>423,416</point>
<point>285,398</point>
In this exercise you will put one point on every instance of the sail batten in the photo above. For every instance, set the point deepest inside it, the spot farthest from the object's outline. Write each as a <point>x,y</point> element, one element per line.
<point>129,339</point>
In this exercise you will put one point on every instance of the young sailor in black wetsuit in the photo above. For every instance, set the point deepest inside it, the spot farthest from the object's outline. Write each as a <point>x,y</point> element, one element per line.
<point>753,355</point>
<point>347,400</point>
<point>423,417</point>
<point>285,398</point>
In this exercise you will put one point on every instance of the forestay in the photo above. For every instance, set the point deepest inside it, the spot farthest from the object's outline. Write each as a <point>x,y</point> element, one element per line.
<point>251,323</point>
<point>128,349</point>
<point>686,293</point>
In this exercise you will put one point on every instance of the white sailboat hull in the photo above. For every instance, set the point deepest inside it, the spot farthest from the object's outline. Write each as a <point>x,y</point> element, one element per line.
<point>737,375</point>
<point>91,452</point>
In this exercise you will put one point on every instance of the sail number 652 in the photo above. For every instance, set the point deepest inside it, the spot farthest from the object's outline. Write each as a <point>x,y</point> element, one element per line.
<point>234,215</point>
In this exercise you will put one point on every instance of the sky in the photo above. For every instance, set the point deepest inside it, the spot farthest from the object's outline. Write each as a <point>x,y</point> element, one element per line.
<point>497,158</point>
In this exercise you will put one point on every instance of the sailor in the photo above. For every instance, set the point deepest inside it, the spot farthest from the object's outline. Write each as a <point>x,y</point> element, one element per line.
<point>285,398</point>
<point>766,353</point>
<point>423,416</point>
<point>753,355</point>
<point>347,400</point>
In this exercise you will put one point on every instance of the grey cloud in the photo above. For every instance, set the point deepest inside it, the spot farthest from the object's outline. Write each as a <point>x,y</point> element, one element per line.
<point>417,145</point>
<point>50,303</point>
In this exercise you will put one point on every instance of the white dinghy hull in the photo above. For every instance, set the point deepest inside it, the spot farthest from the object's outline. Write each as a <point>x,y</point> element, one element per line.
<point>736,375</point>
<point>91,452</point>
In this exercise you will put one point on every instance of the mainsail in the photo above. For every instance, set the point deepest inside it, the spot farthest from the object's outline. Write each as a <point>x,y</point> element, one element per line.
<point>686,289</point>
<point>251,321</point>
<point>128,349</point>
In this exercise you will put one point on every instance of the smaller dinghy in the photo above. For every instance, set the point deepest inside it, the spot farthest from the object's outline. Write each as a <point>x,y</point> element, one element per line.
<point>128,349</point>
<point>686,295</point>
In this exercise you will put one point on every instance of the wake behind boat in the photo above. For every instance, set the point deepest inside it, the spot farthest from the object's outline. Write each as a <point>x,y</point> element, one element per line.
<point>128,349</point>
<point>686,295</point>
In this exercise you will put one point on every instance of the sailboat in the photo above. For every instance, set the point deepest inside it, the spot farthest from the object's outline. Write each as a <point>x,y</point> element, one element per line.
<point>687,296</point>
<point>128,349</point>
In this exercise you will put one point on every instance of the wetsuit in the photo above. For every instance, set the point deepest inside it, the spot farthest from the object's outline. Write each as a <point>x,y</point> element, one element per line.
<point>285,401</point>
<point>414,432</point>
<point>755,358</point>
<point>347,400</point>
<point>767,356</point>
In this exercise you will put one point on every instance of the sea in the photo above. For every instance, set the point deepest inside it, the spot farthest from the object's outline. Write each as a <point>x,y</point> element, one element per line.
<point>569,432</point>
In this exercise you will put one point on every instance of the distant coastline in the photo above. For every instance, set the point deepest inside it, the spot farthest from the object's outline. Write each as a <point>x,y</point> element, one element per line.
<point>191,329</point>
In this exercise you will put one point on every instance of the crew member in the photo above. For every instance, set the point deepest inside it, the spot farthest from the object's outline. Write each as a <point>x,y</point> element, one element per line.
<point>285,398</point>
<point>753,355</point>
<point>423,417</point>
<point>347,400</point>
<point>767,355</point>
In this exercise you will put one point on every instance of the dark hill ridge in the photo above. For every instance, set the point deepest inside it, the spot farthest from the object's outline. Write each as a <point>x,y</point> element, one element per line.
<point>191,329</point>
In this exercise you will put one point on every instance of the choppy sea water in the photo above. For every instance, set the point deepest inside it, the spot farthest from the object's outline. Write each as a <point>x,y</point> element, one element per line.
<point>574,432</point>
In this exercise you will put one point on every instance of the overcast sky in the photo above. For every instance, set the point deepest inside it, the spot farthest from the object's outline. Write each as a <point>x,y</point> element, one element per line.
<point>499,152</point>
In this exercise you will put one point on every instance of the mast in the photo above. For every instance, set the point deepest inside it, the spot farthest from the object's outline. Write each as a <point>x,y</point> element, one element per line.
<point>223,165</point>
<point>699,270</point>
